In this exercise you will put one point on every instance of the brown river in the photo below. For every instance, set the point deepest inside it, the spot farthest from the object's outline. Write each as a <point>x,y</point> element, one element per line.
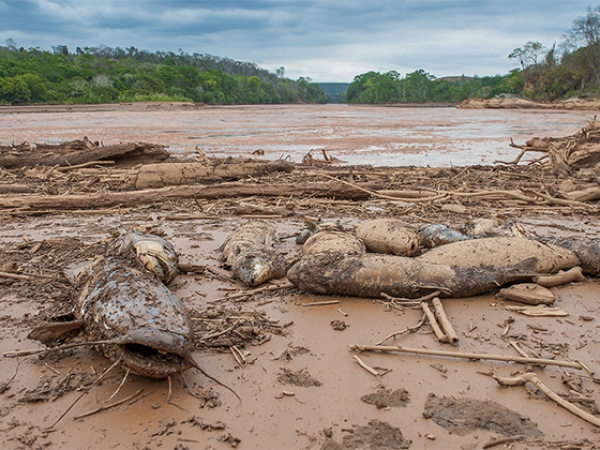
<point>377,135</point>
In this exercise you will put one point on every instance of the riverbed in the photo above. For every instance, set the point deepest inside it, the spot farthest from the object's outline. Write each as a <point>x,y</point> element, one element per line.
<point>353,134</point>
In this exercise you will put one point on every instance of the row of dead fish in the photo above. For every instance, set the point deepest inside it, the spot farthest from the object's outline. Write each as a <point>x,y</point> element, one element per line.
<point>127,311</point>
<point>384,257</point>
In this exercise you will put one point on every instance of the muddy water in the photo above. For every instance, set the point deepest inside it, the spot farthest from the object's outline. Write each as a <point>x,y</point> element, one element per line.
<point>377,135</point>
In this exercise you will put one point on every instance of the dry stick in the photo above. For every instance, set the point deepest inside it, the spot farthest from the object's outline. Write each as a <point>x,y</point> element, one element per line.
<point>37,351</point>
<point>214,335</point>
<point>406,330</point>
<point>251,292</point>
<point>476,356</point>
<point>328,302</point>
<point>443,319</point>
<point>114,394</point>
<point>80,166</point>
<point>434,325</point>
<point>532,378</point>
<point>503,440</point>
<point>519,350</point>
<point>85,391</point>
<point>368,368</point>
<point>411,301</point>
<point>105,407</point>
<point>387,197</point>
<point>560,201</point>
<point>26,276</point>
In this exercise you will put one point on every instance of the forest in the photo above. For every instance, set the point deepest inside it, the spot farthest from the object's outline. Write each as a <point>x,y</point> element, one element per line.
<point>108,75</point>
<point>545,74</point>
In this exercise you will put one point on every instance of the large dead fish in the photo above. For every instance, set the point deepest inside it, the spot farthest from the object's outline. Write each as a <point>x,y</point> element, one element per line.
<point>130,315</point>
<point>502,252</point>
<point>251,253</point>
<point>371,275</point>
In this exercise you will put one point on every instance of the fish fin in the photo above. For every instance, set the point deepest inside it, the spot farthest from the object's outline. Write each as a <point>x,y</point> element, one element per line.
<point>50,333</point>
<point>527,266</point>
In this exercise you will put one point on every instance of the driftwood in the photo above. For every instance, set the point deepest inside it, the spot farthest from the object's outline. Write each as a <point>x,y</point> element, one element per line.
<point>532,378</point>
<point>173,174</point>
<point>222,190</point>
<point>30,156</point>
<point>566,153</point>
<point>471,356</point>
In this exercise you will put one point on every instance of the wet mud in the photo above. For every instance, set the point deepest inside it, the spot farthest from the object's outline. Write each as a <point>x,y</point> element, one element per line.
<point>251,338</point>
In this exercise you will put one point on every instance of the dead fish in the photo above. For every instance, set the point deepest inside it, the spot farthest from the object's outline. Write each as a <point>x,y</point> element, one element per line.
<point>438,234</point>
<point>153,253</point>
<point>435,235</point>
<point>371,275</point>
<point>131,317</point>
<point>251,253</point>
<point>388,236</point>
<point>502,252</point>
<point>333,240</point>
<point>586,249</point>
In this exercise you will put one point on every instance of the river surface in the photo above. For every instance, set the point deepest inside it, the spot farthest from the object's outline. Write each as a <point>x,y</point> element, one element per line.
<point>377,135</point>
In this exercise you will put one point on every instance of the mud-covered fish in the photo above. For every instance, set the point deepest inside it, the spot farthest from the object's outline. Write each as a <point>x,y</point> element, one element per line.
<point>502,252</point>
<point>388,236</point>
<point>370,275</point>
<point>437,234</point>
<point>251,253</point>
<point>586,249</point>
<point>130,315</point>
<point>152,253</point>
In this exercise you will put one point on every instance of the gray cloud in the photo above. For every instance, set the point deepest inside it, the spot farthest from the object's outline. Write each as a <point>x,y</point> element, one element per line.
<point>327,40</point>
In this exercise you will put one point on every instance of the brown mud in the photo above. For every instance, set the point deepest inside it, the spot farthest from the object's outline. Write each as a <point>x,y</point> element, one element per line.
<point>276,346</point>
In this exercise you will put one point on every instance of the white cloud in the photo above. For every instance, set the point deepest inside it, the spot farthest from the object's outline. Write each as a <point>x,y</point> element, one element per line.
<point>327,40</point>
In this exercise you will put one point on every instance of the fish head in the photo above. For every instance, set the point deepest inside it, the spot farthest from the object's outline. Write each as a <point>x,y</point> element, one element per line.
<point>150,353</point>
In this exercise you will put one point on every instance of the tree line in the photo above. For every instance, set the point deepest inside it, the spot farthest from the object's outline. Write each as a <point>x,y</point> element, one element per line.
<point>545,74</point>
<point>108,75</point>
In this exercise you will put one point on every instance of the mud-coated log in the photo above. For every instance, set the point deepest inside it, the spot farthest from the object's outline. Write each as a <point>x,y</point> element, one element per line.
<point>176,174</point>
<point>332,190</point>
<point>16,160</point>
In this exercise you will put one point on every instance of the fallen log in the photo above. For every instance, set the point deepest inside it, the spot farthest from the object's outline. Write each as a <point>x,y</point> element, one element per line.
<point>175,174</point>
<point>222,190</point>
<point>30,158</point>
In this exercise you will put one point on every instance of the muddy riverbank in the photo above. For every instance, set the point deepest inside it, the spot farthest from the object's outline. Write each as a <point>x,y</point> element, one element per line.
<point>299,382</point>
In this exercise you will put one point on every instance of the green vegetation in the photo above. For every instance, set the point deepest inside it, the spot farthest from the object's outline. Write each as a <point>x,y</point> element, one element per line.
<point>421,87</point>
<point>106,75</point>
<point>109,75</point>
<point>543,76</point>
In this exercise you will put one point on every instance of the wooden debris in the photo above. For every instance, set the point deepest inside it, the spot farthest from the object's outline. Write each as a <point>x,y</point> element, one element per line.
<point>529,293</point>
<point>532,378</point>
<point>539,310</point>
<point>175,174</point>
<point>441,316</point>
<point>574,274</point>
<point>472,356</point>
<point>66,155</point>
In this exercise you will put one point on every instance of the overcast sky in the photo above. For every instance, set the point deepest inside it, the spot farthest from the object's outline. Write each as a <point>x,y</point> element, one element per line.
<point>326,40</point>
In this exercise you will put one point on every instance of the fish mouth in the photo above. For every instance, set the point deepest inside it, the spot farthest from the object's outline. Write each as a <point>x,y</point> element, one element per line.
<point>146,354</point>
